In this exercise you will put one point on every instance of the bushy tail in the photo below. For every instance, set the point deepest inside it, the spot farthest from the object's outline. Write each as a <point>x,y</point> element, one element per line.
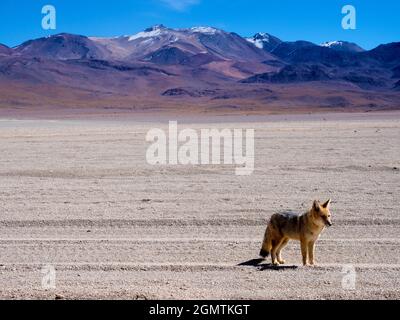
<point>266,245</point>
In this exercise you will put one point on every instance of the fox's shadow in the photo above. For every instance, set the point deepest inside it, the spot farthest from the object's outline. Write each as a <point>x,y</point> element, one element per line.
<point>257,263</point>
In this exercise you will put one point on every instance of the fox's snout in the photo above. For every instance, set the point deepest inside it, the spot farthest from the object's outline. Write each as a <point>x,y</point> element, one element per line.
<point>328,223</point>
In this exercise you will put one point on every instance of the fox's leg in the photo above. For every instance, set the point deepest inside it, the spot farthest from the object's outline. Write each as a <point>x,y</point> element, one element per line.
<point>304,251</point>
<point>275,246</point>
<point>273,253</point>
<point>283,244</point>
<point>311,246</point>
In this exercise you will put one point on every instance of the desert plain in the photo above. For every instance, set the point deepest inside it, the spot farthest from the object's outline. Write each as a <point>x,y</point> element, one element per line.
<point>78,195</point>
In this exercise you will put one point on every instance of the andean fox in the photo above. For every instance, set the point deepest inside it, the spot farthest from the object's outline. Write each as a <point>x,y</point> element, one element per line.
<point>306,228</point>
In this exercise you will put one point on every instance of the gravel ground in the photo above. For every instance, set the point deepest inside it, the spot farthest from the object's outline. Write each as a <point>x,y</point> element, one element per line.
<point>79,196</point>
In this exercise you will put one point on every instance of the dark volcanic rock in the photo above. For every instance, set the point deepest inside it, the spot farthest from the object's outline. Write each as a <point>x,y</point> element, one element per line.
<point>292,73</point>
<point>386,53</point>
<point>168,55</point>
<point>396,72</point>
<point>286,49</point>
<point>190,92</point>
<point>317,54</point>
<point>363,80</point>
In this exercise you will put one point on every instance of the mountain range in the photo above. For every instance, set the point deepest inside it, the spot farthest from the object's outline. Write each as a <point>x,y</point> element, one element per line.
<point>204,68</point>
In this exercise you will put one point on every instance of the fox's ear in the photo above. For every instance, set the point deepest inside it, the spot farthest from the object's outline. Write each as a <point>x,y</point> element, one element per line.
<point>316,205</point>
<point>326,204</point>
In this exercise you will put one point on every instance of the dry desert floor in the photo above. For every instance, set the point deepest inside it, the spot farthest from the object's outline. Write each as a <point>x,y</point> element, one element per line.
<point>79,195</point>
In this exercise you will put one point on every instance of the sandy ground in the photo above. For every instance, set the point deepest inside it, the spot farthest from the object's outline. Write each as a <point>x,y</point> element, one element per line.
<point>80,196</point>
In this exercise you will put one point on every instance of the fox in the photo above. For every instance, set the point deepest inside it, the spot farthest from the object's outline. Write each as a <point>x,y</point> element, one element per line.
<point>305,227</point>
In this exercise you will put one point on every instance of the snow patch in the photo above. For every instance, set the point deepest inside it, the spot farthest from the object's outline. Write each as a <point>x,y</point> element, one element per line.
<point>206,30</point>
<point>258,43</point>
<point>330,44</point>
<point>146,34</point>
<point>259,39</point>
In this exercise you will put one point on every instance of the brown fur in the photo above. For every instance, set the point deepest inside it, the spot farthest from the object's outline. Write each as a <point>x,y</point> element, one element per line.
<point>306,228</point>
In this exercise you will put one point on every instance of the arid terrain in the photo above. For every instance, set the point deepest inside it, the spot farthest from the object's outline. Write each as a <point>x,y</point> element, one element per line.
<point>79,195</point>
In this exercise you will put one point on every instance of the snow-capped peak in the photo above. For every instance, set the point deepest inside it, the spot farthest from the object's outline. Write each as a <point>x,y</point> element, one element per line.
<point>206,30</point>
<point>262,36</point>
<point>259,39</point>
<point>330,44</point>
<point>265,41</point>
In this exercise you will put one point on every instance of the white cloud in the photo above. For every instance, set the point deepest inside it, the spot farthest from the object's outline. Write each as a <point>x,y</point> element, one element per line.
<point>180,5</point>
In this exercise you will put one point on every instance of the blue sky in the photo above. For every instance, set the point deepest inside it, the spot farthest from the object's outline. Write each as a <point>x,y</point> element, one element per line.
<point>313,20</point>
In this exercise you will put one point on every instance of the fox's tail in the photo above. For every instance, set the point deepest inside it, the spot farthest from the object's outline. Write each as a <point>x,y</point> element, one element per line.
<point>267,244</point>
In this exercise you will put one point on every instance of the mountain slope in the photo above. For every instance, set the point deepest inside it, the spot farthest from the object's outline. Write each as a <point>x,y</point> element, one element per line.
<point>168,55</point>
<point>286,49</point>
<point>4,50</point>
<point>291,74</point>
<point>308,52</point>
<point>62,47</point>
<point>389,54</point>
